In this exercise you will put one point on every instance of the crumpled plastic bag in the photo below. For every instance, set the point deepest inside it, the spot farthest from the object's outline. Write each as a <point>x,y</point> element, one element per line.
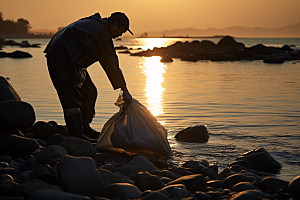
<point>133,129</point>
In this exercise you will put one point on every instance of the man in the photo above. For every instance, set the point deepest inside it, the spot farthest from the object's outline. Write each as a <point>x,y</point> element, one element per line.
<point>70,52</point>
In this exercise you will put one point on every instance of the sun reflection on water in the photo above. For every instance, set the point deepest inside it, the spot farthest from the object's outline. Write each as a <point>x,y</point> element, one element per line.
<point>154,71</point>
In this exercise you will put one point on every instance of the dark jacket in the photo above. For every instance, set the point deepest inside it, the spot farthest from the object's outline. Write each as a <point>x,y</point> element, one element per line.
<point>82,43</point>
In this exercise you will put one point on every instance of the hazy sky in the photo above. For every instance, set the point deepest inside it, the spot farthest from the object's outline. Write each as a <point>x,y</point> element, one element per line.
<point>157,15</point>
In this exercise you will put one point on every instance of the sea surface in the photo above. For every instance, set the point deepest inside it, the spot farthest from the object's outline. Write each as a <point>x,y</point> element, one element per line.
<point>244,104</point>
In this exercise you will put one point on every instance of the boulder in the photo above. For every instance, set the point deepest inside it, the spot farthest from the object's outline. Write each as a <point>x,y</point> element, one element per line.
<point>274,60</point>
<point>122,191</point>
<point>294,186</point>
<point>193,134</point>
<point>228,41</point>
<point>258,159</point>
<point>7,92</point>
<point>192,182</point>
<point>180,171</point>
<point>53,151</point>
<point>211,171</point>
<point>44,130</point>
<point>286,48</point>
<point>202,195</point>
<point>78,147</point>
<point>242,186</point>
<point>109,177</point>
<point>44,173</point>
<point>169,188</point>
<point>215,184</point>
<point>146,181</point>
<point>11,188</point>
<point>55,139</point>
<point>230,181</point>
<point>36,184</point>
<point>178,192</point>
<point>79,175</point>
<point>29,164</point>
<point>20,146</point>
<point>155,195</point>
<point>166,173</point>
<point>192,164</point>
<point>273,184</point>
<point>260,49</point>
<point>19,54</point>
<point>51,194</point>
<point>206,43</point>
<point>137,164</point>
<point>248,195</point>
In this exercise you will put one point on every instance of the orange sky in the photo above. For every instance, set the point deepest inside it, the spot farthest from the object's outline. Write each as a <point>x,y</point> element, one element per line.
<point>157,15</point>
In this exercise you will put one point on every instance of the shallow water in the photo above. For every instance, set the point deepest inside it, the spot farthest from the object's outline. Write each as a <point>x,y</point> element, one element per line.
<point>244,105</point>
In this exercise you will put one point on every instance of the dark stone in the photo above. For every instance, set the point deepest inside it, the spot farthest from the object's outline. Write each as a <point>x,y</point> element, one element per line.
<point>258,159</point>
<point>294,186</point>
<point>286,48</point>
<point>224,57</point>
<point>211,171</point>
<point>242,186</point>
<point>206,43</point>
<point>122,191</point>
<point>155,195</point>
<point>146,181</point>
<point>51,153</point>
<point>193,134</point>
<point>166,59</point>
<point>30,164</point>
<point>44,173</point>
<point>192,182</point>
<point>19,54</point>
<point>230,181</point>
<point>3,54</point>
<point>11,188</point>
<point>78,147</point>
<point>248,194</point>
<point>228,41</point>
<point>202,195</point>
<point>215,183</point>
<point>21,146</point>
<point>260,49</point>
<point>55,139</point>
<point>4,147</point>
<point>180,171</point>
<point>120,47</point>
<point>161,164</point>
<point>7,92</point>
<point>43,130</point>
<point>138,164</point>
<point>273,184</point>
<point>192,164</point>
<point>274,60</point>
<point>53,194</point>
<point>166,173</point>
<point>242,54</point>
<point>169,188</point>
<point>99,158</point>
<point>178,192</point>
<point>125,52</point>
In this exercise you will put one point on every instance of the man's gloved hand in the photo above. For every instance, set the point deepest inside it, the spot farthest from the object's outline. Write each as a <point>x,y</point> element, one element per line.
<point>127,97</point>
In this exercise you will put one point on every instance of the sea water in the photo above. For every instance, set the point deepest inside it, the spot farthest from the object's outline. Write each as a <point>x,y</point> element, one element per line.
<point>244,104</point>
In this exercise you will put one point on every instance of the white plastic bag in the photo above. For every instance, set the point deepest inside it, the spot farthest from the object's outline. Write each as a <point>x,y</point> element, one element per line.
<point>133,129</point>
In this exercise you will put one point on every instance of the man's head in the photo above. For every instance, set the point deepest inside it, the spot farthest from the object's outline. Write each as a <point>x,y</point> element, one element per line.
<point>118,24</point>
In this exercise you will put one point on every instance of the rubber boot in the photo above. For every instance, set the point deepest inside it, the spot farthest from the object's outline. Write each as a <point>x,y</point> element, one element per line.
<point>88,113</point>
<point>75,126</point>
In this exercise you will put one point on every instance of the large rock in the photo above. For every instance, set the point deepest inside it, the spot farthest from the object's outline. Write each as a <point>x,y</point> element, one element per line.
<point>258,159</point>
<point>228,41</point>
<point>223,57</point>
<point>79,176</point>
<point>44,173</point>
<point>273,184</point>
<point>78,147</point>
<point>294,186</point>
<point>192,182</point>
<point>248,195</point>
<point>51,194</point>
<point>155,195</point>
<point>7,92</point>
<point>36,184</point>
<point>122,191</point>
<point>273,60</point>
<point>242,186</point>
<point>230,181</point>
<point>55,139</point>
<point>21,146</point>
<point>169,188</point>
<point>146,181</point>
<point>193,134</point>
<point>44,130</point>
<point>19,54</point>
<point>260,49</point>
<point>53,151</point>
<point>137,164</point>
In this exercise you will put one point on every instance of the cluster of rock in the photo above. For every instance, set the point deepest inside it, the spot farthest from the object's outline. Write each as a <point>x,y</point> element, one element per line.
<point>227,49</point>
<point>24,43</point>
<point>16,54</point>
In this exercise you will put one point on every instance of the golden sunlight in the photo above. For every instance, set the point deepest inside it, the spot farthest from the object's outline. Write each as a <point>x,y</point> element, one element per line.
<point>154,71</point>
<point>150,43</point>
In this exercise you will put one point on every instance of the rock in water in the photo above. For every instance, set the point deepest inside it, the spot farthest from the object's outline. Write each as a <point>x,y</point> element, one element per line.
<point>79,175</point>
<point>274,60</point>
<point>294,187</point>
<point>193,134</point>
<point>19,54</point>
<point>258,159</point>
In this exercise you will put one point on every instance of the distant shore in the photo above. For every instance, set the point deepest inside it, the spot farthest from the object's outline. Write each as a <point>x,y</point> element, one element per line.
<point>26,36</point>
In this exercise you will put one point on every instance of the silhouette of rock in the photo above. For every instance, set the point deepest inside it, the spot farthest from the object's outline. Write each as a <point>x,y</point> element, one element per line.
<point>274,60</point>
<point>286,48</point>
<point>228,41</point>
<point>193,134</point>
<point>20,54</point>
<point>225,57</point>
<point>294,186</point>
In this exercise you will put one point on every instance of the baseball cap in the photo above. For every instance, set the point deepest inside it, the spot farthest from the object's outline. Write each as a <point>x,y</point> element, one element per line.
<point>121,18</point>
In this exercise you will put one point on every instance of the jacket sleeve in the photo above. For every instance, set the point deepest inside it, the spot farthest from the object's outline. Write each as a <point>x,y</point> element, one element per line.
<point>105,52</point>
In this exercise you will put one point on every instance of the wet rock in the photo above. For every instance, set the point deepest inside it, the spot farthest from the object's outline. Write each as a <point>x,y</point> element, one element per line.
<point>248,194</point>
<point>109,178</point>
<point>260,49</point>
<point>21,146</point>
<point>19,54</point>
<point>294,186</point>
<point>192,164</point>
<point>161,164</point>
<point>273,184</point>
<point>44,130</point>
<point>16,115</point>
<point>53,151</point>
<point>51,194</point>
<point>78,147</point>
<point>193,134</point>
<point>155,195</point>
<point>242,186</point>
<point>6,177</point>
<point>55,139</point>
<point>236,178</point>
<point>122,191</point>
<point>165,180</point>
<point>178,192</point>
<point>215,183</point>
<point>165,173</point>
<point>274,60</point>
<point>137,164</point>
<point>169,188</point>
<point>79,175</point>
<point>211,171</point>
<point>36,184</point>
<point>192,182</point>
<point>24,177</point>
<point>7,92</point>
<point>180,171</point>
<point>202,195</point>
<point>224,57</point>
<point>206,43</point>
<point>258,159</point>
<point>286,48</point>
<point>146,181</point>
<point>228,41</point>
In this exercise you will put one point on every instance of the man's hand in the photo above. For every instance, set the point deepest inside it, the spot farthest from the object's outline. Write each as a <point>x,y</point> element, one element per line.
<point>127,97</point>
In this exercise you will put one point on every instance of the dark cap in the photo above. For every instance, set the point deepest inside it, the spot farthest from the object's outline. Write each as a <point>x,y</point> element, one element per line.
<point>122,19</point>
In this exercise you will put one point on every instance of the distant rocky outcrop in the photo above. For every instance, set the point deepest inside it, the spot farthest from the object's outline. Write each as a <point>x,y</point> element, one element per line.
<point>15,54</point>
<point>227,49</point>
<point>24,43</point>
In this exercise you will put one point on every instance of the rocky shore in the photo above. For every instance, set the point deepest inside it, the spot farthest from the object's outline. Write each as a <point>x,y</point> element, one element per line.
<point>38,160</point>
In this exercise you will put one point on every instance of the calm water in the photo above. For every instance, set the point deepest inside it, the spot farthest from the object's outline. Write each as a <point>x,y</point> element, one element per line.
<point>245,105</point>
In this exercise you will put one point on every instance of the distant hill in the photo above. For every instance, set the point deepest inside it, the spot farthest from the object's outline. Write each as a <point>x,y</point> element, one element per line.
<point>236,31</point>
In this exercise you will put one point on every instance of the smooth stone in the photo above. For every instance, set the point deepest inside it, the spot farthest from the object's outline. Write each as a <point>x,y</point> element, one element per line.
<point>44,173</point>
<point>180,171</point>
<point>29,164</point>
<point>122,191</point>
<point>6,177</point>
<point>21,146</point>
<point>24,177</point>
<point>4,164</point>
<point>248,195</point>
<point>11,170</point>
<point>192,164</point>
<point>109,178</point>
<point>55,139</point>
<point>44,130</point>
<point>166,173</point>
<point>155,195</point>
<point>79,175</point>
<point>242,186</point>
<point>78,147</point>
<point>109,167</point>
<point>294,186</point>
<point>194,182</point>
<point>258,159</point>
<point>202,195</point>
<point>165,180</point>
<point>169,188</point>
<point>50,194</point>
<point>193,134</point>
<point>215,183</point>
<point>146,181</point>
<point>11,188</point>
<point>161,164</point>
<point>19,54</point>
<point>229,41</point>
<point>137,164</point>
<point>273,184</point>
<point>210,171</point>
<point>236,178</point>
<point>12,198</point>
<point>36,184</point>
<point>178,192</point>
<point>100,158</point>
<point>7,91</point>
<point>52,151</point>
